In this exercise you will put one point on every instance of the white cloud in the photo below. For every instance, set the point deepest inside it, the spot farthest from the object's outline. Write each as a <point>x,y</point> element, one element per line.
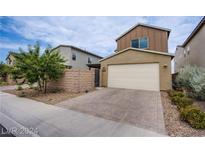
<point>96,34</point>
<point>180,27</point>
<point>10,45</point>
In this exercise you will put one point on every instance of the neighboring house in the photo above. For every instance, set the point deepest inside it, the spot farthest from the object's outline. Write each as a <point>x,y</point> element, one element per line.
<point>141,60</point>
<point>77,58</point>
<point>10,60</point>
<point>192,51</point>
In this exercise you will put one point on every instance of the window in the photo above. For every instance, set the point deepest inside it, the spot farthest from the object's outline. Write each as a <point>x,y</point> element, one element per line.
<point>144,43</point>
<point>184,53</point>
<point>73,56</point>
<point>135,43</point>
<point>188,50</point>
<point>89,60</point>
<point>140,43</point>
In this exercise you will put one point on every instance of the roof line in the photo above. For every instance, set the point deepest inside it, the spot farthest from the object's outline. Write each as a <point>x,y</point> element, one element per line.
<point>145,25</point>
<point>137,49</point>
<point>10,53</point>
<point>194,32</point>
<point>71,46</point>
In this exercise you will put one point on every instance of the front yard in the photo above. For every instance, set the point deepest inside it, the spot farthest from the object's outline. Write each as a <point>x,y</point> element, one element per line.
<point>173,123</point>
<point>51,97</point>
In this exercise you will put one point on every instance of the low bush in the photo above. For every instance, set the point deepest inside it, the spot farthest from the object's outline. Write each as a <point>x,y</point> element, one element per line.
<point>180,99</point>
<point>194,116</point>
<point>22,94</point>
<point>182,102</point>
<point>55,90</point>
<point>3,83</point>
<point>176,93</point>
<point>19,88</point>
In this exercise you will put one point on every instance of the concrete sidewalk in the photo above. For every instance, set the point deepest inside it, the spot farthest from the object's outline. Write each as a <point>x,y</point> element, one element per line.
<point>34,118</point>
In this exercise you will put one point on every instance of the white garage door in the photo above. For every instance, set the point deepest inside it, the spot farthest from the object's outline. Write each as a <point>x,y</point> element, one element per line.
<point>134,76</point>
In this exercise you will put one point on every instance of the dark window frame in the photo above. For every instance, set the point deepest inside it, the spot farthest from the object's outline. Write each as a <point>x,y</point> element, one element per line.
<point>74,57</point>
<point>89,60</point>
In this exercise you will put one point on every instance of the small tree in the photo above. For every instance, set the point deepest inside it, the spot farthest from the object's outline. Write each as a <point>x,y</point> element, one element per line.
<point>4,71</point>
<point>27,64</point>
<point>51,66</point>
<point>40,68</point>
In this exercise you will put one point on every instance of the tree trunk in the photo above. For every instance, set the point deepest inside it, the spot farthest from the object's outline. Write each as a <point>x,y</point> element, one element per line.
<point>45,87</point>
<point>39,84</point>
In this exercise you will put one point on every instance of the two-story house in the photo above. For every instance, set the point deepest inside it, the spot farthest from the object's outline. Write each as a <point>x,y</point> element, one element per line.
<point>10,60</point>
<point>77,58</point>
<point>192,51</point>
<point>141,60</point>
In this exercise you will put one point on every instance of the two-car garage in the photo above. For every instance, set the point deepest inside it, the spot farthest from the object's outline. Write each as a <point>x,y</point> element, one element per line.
<point>137,69</point>
<point>134,76</point>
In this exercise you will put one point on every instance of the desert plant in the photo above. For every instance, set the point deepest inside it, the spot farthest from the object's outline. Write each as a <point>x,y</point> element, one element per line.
<point>176,93</point>
<point>4,71</point>
<point>19,87</point>
<point>2,83</point>
<point>192,78</point>
<point>181,102</point>
<point>22,94</point>
<point>194,116</point>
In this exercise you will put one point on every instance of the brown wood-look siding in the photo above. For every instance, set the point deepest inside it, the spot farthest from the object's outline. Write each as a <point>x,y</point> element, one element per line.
<point>158,39</point>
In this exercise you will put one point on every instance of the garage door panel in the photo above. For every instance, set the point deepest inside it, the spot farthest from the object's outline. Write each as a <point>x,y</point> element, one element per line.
<point>134,76</point>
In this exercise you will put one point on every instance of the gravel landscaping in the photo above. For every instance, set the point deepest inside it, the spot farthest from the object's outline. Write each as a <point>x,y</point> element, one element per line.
<point>173,124</point>
<point>51,98</point>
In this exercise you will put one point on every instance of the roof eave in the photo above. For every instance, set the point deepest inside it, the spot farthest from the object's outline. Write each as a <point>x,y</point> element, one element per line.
<point>70,46</point>
<point>146,25</point>
<point>194,32</point>
<point>136,49</point>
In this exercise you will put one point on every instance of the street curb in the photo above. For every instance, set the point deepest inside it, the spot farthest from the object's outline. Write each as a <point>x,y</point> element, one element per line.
<point>10,124</point>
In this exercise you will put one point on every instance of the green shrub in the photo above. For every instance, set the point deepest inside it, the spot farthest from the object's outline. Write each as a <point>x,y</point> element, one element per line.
<point>22,94</point>
<point>193,116</point>
<point>35,88</point>
<point>19,88</point>
<point>3,83</point>
<point>176,93</point>
<point>181,102</point>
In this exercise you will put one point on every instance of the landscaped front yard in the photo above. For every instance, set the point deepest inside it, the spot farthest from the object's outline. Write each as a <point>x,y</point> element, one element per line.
<point>51,97</point>
<point>174,125</point>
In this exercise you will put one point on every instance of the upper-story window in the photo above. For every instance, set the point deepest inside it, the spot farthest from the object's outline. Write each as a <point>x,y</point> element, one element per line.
<point>184,52</point>
<point>74,56</point>
<point>89,60</point>
<point>135,43</point>
<point>140,43</point>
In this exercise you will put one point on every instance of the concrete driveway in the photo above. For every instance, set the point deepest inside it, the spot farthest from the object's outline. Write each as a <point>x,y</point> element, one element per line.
<point>27,117</point>
<point>139,108</point>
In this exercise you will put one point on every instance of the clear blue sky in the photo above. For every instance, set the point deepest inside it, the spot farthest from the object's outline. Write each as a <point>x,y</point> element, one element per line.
<point>96,34</point>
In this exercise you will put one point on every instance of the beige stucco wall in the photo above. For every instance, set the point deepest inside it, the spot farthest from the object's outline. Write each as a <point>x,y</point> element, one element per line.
<point>179,59</point>
<point>193,53</point>
<point>134,57</point>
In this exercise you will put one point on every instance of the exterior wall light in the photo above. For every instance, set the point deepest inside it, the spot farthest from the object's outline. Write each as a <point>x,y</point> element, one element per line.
<point>165,65</point>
